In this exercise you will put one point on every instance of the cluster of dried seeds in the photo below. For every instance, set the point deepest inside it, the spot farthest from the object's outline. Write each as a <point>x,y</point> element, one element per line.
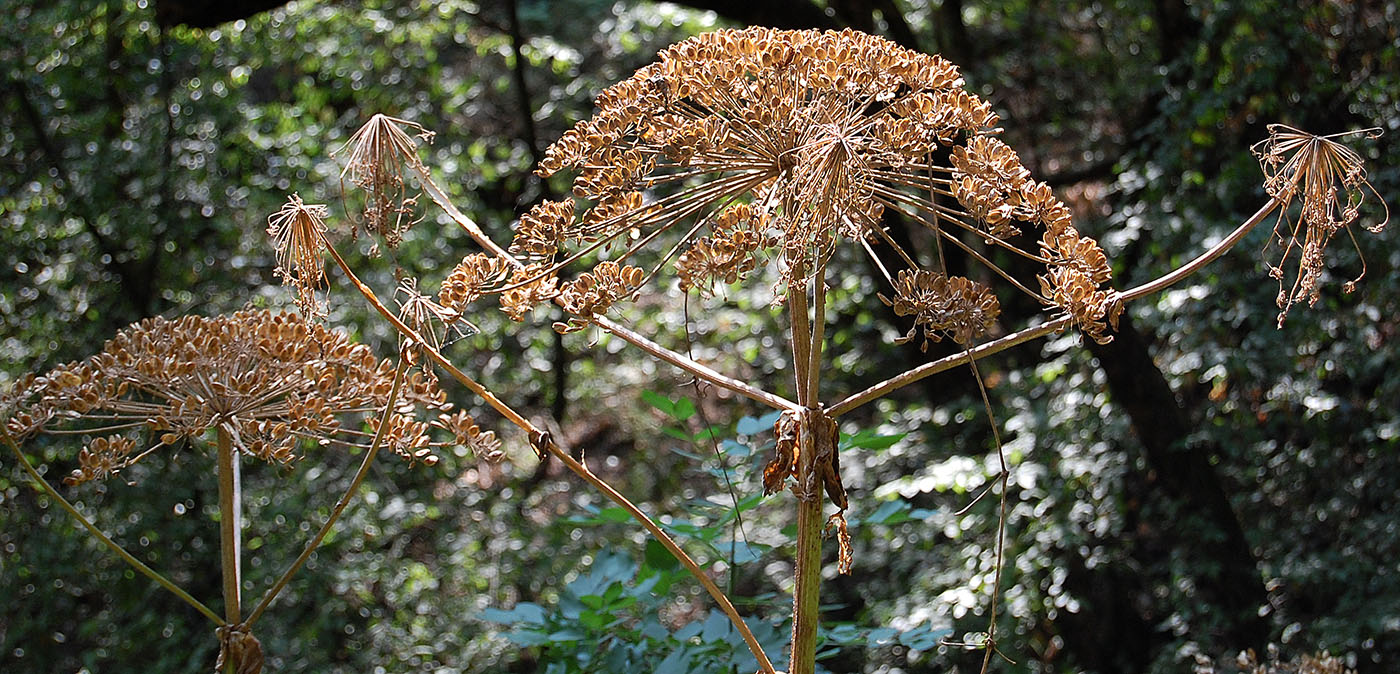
<point>271,381</point>
<point>960,308</point>
<point>818,135</point>
<point>528,287</point>
<point>467,433</point>
<point>542,230</point>
<point>593,293</point>
<point>738,237</point>
<point>476,275</point>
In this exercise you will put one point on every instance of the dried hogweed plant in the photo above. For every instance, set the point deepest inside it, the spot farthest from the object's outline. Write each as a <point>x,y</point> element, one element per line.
<point>759,153</point>
<point>266,386</point>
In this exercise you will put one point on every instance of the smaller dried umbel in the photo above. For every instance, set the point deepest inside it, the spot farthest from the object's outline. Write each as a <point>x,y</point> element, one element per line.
<point>378,154</point>
<point>1329,179</point>
<point>272,381</point>
<point>593,293</point>
<point>298,232</point>
<point>960,308</point>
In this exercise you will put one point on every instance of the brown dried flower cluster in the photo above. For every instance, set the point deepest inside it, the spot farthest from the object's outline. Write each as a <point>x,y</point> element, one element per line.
<point>529,286</point>
<point>272,381</point>
<point>1330,180</point>
<point>467,433</point>
<point>593,293</point>
<point>942,305</point>
<point>542,230</point>
<point>378,153</point>
<point>738,236</point>
<point>298,232</point>
<point>476,275</point>
<point>815,135</point>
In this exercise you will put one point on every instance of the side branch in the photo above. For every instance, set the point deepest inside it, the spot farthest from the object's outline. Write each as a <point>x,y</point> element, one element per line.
<point>706,373</point>
<point>625,334</point>
<point>1016,338</point>
<point>97,533</point>
<point>539,438</point>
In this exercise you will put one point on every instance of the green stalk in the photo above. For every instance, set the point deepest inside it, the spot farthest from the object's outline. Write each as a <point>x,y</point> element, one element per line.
<point>806,593</point>
<point>97,533</point>
<point>230,524</point>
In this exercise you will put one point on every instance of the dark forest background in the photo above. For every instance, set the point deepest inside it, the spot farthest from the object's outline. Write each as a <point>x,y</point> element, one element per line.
<point>1205,484</point>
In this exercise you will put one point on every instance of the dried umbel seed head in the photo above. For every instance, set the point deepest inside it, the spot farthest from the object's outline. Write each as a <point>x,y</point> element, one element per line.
<point>593,293</point>
<point>378,153</point>
<point>542,230</point>
<point>298,232</point>
<point>1329,179</point>
<point>815,137</point>
<point>467,433</point>
<point>528,288</point>
<point>473,277</point>
<point>942,305</point>
<point>270,381</point>
<point>733,249</point>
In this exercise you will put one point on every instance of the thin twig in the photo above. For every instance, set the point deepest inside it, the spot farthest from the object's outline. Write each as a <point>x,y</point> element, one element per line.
<point>573,465</point>
<point>97,533</point>
<point>341,504</point>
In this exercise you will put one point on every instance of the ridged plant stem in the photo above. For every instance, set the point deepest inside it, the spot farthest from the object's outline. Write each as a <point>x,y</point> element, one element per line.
<point>806,595</point>
<point>230,525</point>
<point>807,568</point>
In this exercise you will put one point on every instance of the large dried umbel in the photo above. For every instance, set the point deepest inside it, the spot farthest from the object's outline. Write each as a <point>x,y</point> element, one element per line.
<point>816,135</point>
<point>270,380</point>
<point>1329,179</point>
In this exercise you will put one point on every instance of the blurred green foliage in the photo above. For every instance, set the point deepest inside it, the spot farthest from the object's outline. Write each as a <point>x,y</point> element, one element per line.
<point>140,163</point>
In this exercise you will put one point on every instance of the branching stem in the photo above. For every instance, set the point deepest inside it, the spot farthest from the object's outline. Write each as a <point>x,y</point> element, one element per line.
<point>1016,338</point>
<point>578,468</point>
<point>91,528</point>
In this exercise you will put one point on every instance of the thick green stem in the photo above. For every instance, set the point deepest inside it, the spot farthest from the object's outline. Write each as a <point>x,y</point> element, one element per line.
<point>230,525</point>
<point>807,571</point>
<point>806,595</point>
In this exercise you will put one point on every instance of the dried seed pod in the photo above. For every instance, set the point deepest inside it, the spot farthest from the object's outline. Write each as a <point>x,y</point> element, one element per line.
<point>379,151</point>
<point>299,233</point>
